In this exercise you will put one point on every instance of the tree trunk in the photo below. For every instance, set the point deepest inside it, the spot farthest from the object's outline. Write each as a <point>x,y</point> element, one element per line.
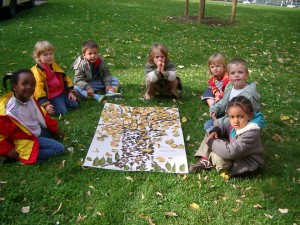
<point>201,10</point>
<point>186,12</point>
<point>233,12</point>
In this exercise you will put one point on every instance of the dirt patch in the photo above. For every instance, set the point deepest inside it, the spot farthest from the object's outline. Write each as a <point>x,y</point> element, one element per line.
<point>210,21</point>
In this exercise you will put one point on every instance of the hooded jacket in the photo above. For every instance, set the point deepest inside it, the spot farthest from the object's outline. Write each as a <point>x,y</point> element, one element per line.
<point>41,89</point>
<point>220,107</point>
<point>15,135</point>
<point>244,149</point>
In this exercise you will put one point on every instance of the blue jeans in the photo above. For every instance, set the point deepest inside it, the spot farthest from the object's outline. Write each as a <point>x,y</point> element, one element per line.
<point>61,104</point>
<point>208,125</point>
<point>96,85</point>
<point>49,148</point>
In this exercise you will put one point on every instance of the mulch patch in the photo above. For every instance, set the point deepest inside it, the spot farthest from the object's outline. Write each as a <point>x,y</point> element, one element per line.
<point>210,21</point>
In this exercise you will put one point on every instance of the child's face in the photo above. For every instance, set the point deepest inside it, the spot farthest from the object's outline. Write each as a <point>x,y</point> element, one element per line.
<point>238,75</point>
<point>217,70</point>
<point>238,117</point>
<point>47,57</point>
<point>159,58</point>
<point>91,54</point>
<point>25,87</point>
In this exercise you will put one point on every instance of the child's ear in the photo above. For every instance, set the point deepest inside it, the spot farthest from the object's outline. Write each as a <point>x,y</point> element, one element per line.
<point>251,116</point>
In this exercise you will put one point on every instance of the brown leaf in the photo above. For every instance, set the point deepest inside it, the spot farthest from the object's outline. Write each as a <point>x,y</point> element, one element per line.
<point>100,213</point>
<point>283,211</point>
<point>171,214</point>
<point>257,206</point>
<point>80,218</point>
<point>277,138</point>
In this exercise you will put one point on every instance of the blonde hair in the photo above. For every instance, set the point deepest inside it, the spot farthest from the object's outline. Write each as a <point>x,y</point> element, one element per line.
<point>216,58</point>
<point>41,47</point>
<point>88,45</point>
<point>161,48</point>
<point>238,61</point>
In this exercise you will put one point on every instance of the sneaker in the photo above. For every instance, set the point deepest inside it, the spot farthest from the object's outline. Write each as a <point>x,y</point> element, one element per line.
<point>113,94</point>
<point>202,164</point>
<point>99,98</point>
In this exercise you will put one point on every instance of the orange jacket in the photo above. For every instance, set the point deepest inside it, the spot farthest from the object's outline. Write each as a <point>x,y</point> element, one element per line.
<point>14,135</point>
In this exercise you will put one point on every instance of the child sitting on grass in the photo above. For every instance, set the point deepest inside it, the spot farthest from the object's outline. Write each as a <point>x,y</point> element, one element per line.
<point>26,131</point>
<point>218,81</point>
<point>54,89</point>
<point>92,75</point>
<point>161,74</point>
<point>235,146</point>
<point>238,74</point>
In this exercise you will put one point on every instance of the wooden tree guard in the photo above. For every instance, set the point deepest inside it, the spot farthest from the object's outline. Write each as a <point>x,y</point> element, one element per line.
<point>186,12</point>
<point>233,12</point>
<point>202,10</point>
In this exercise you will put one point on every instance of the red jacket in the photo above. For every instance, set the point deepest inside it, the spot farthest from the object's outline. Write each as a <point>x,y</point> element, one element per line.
<point>14,135</point>
<point>214,89</point>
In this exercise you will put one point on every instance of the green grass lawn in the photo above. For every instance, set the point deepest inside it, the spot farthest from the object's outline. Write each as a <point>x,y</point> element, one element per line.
<point>267,37</point>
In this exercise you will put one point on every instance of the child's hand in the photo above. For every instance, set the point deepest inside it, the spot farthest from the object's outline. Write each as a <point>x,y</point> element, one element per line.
<point>50,109</point>
<point>211,135</point>
<point>90,92</point>
<point>212,115</point>
<point>159,66</point>
<point>162,71</point>
<point>72,97</point>
<point>109,88</point>
<point>217,98</point>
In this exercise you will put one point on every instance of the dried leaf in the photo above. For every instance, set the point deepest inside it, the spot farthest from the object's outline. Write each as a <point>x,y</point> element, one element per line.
<point>142,196</point>
<point>284,118</point>
<point>80,218</point>
<point>3,182</point>
<point>277,138</point>
<point>188,138</point>
<point>257,206</point>
<point>25,209</point>
<point>100,213</point>
<point>183,119</point>
<point>268,216</point>
<point>160,159</point>
<point>159,194</point>
<point>180,66</point>
<point>171,214</point>
<point>129,178</point>
<point>195,206</point>
<point>283,211</point>
<point>57,209</point>
<point>225,175</point>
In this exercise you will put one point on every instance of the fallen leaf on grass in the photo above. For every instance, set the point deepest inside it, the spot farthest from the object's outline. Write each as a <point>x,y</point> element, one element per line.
<point>225,175</point>
<point>183,119</point>
<point>257,206</point>
<point>3,182</point>
<point>25,209</point>
<point>171,214</point>
<point>70,149</point>
<point>151,222</point>
<point>284,118</point>
<point>129,178</point>
<point>195,206</point>
<point>283,211</point>
<point>62,165</point>
<point>57,209</point>
<point>188,138</point>
<point>268,216</point>
<point>298,169</point>
<point>159,194</point>
<point>277,138</point>
<point>2,199</point>
<point>100,213</point>
<point>80,218</point>
<point>142,196</point>
<point>180,66</point>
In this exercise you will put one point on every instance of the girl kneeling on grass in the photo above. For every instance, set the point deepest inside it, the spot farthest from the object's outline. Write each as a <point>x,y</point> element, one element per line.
<point>235,147</point>
<point>26,131</point>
